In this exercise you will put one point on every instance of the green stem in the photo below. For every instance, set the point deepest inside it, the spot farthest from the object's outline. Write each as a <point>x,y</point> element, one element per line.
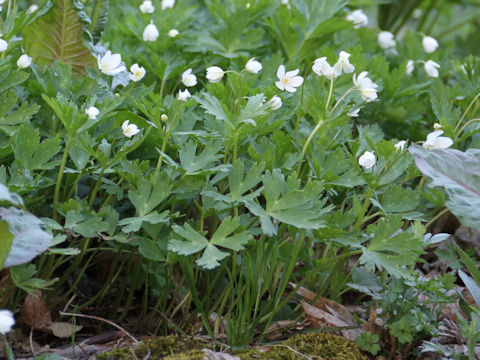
<point>464,126</point>
<point>436,217</point>
<point>97,187</point>
<point>329,93</point>
<point>420,184</point>
<point>342,98</point>
<point>365,206</point>
<point>160,157</point>
<point>60,176</point>
<point>466,111</point>
<point>307,143</point>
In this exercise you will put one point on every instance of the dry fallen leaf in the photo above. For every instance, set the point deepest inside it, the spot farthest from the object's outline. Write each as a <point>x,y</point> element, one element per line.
<point>64,329</point>
<point>35,313</point>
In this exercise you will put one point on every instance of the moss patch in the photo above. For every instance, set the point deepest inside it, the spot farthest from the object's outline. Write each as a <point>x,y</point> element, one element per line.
<point>319,346</point>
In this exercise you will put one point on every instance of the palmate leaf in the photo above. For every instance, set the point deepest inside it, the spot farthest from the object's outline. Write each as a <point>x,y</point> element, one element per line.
<point>58,36</point>
<point>150,193</point>
<point>187,241</point>
<point>459,174</point>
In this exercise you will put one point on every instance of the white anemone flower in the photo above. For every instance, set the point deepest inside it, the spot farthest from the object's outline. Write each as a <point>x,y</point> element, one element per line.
<point>275,102</point>
<point>288,81</point>
<point>430,44</point>
<point>184,95</point>
<point>189,79</point>
<point>367,88</point>
<point>386,40</point>
<point>343,64</point>
<point>147,7</point>
<point>400,145</point>
<point>168,4</point>
<point>3,45</point>
<point>367,160</point>
<point>129,130</point>
<point>138,72</point>
<point>322,67</point>
<point>173,33</point>
<point>358,18</point>
<point>435,141</point>
<point>431,68</point>
<point>32,8</point>
<point>214,74</point>
<point>6,321</point>
<point>253,66</point>
<point>24,61</point>
<point>150,33</point>
<point>410,67</point>
<point>92,112</point>
<point>110,64</point>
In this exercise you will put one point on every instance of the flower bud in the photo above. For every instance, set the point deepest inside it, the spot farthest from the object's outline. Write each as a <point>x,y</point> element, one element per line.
<point>164,118</point>
<point>24,61</point>
<point>214,74</point>
<point>253,66</point>
<point>367,160</point>
<point>386,40</point>
<point>150,33</point>
<point>429,44</point>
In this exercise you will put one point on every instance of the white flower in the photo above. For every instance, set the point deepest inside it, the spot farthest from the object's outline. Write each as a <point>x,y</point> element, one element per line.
<point>410,67</point>
<point>110,64</point>
<point>150,33</point>
<point>32,8</point>
<point>437,126</point>
<point>253,66</point>
<point>3,45</point>
<point>129,129</point>
<point>6,321</point>
<point>435,141</point>
<point>367,160</point>
<point>214,74</point>
<point>358,18</point>
<point>288,81</point>
<point>322,67</point>
<point>429,44</point>
<point>400,145</point>
<point>417,13</point>
<point>285,2</point>
<point>138,72</point>
<point>92,112</point>
<point>343,64</point>
<point>188,79</point>
<point>275,102</point>
<point>173,33</point>
<point>24,61</point>
<point>354,113</point>
<point>367,88</point>
<point>147,7</point>
<point>167,4</point>
<point>184,95</point>
<point>386,40</point>
<point>431,68</point>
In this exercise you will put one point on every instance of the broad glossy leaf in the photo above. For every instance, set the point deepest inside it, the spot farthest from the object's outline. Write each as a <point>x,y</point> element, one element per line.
<point>459,174</point>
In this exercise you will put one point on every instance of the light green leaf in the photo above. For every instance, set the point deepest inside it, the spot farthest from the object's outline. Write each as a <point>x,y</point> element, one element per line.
<point>397,199</point>
<point>150,193</point>
<point>214,107</point>
<point>203,162</point>
<point>133,224</point>
<point>6,240</point>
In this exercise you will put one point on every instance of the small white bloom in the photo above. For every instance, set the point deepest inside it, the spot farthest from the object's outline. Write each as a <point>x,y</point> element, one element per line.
<point>173,33</point>
<point>248,6</point>
<point>429,44</point>
<point>129,129</point>
<point>92,112</point>
<point>354,113</point>
<point>322,67</point>
<point>435,141</point>
<point>110,64</point>
<point>410,67</point>
<point>285,2</point>
<point>437,126</point>
<point>386,40</point>
<point>147,7</point>
<point>343,64</point>
<point>214,74</point>
<point>288,81</point>
<point>367,160</point>
<point>275,102</point>
<point>6,321</point>
<point>188,79</point>
<point>138,72</point>
<point>3,45</point>
<point>358,18</point>
<point>431,68</point>
<point>417,13</point>
<point>32,8</point>
<point>253,66</point>
<point>168,4</point>
<point>184,95</point>
<point>400,145</point>
<point>367,88</point>
<point>24,61</point>
<point>150,33</point>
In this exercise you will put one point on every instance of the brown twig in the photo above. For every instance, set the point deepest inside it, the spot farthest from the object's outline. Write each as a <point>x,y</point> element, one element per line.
<point>104,320</point>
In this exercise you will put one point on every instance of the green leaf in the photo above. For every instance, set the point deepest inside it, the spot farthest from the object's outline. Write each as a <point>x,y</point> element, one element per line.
<point>459,174</point>
<point>58,35</point>
<point>23,277</point>
<point>150,249</point>
<point>204,162</point>
<point>256,106</point>
<point>29,239</point>
<point>84,223</point>
<point>99,18</point>
<point>133,224</point>
<point>6,240</point>
<point>214,107</point>
<point>397,199</point>
<point>240,185</point>
<point>188,241</point>
<point>150,193</point>
<point>10,118</point>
